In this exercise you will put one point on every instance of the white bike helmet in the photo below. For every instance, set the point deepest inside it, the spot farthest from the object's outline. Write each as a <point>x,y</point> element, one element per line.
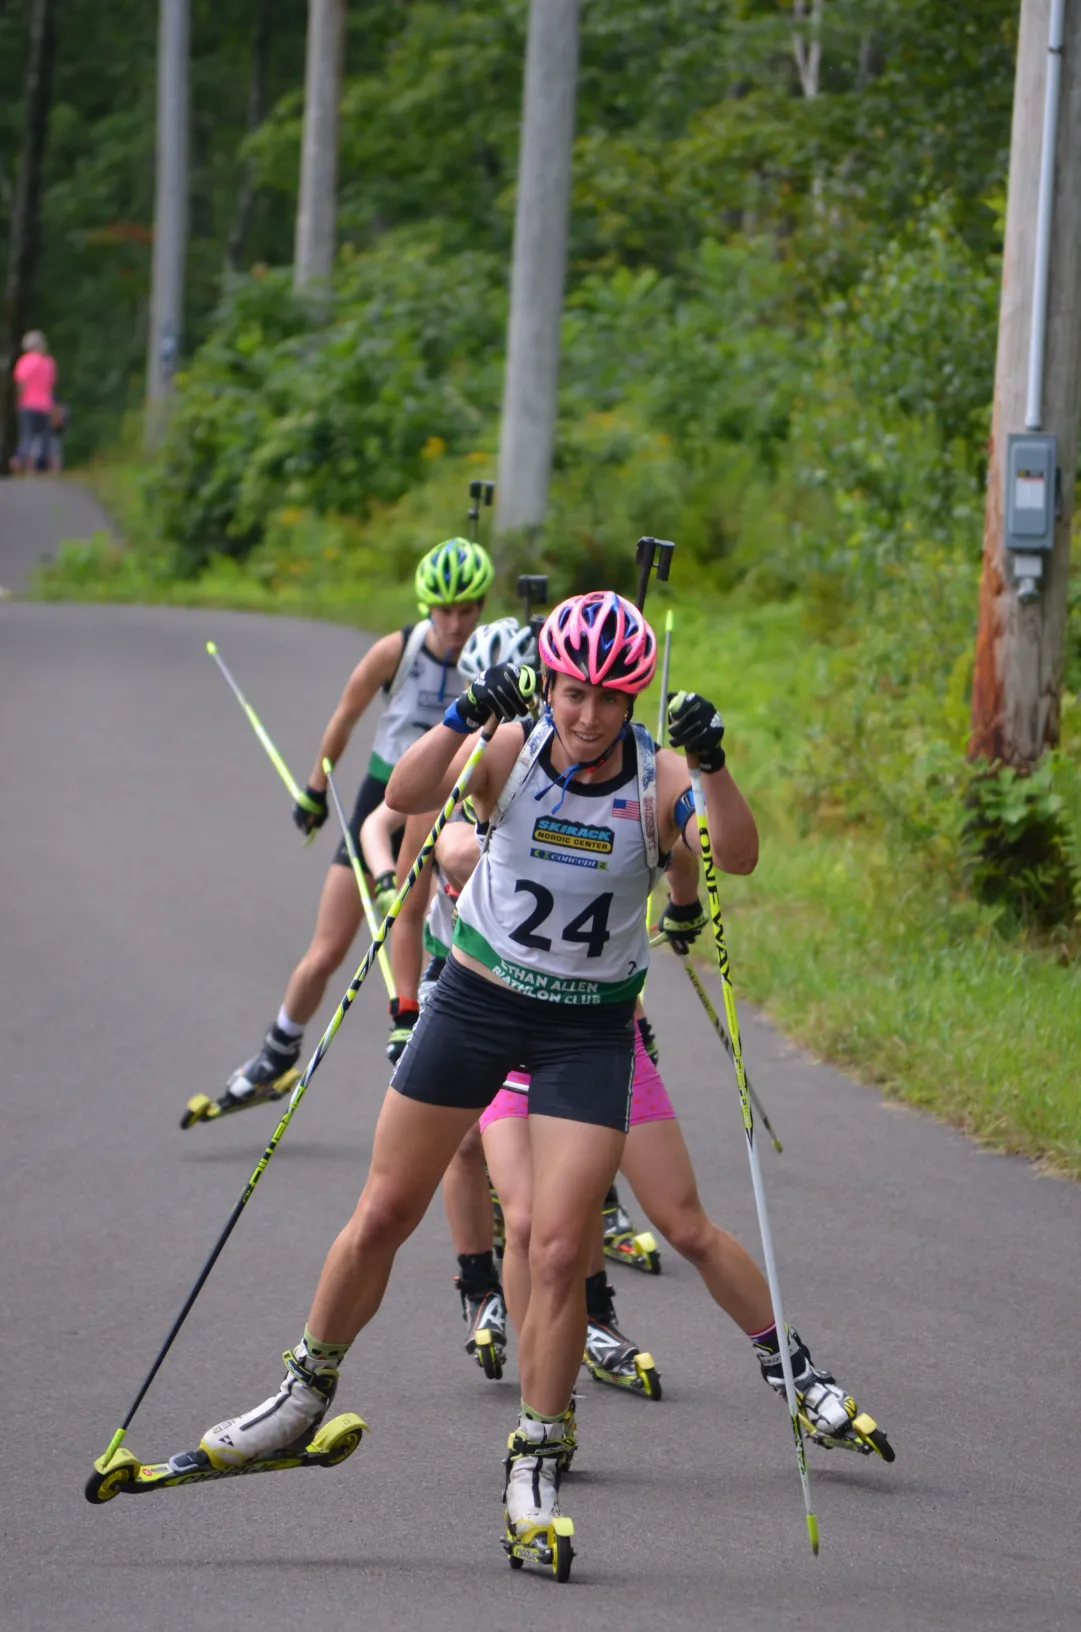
<point>504,641</point>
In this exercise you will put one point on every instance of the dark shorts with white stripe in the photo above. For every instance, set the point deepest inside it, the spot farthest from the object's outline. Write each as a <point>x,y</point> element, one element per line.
<point>473,1031</point>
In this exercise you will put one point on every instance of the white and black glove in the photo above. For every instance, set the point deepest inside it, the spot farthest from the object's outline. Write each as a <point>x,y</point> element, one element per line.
<point>507,690</point>
<point>695,725</point>
<point>682,925</point>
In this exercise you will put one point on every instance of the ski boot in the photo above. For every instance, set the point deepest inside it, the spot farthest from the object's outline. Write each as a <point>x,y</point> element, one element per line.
<point>268,1075</point>
<point>534,1530</point>
<point>287,1431</point>
<point>403,1017</point>
<point>828,1415</point>
<point>609,1356</point>
<point>485,1316</point>
<point>499,1228</point>
<point>620,1241</point>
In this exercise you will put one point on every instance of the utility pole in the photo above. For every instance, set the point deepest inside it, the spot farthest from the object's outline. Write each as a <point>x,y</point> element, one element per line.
<point>170,213</point>
<point>538,270</point>
<point>317,206</point>
<point>1018,674</point>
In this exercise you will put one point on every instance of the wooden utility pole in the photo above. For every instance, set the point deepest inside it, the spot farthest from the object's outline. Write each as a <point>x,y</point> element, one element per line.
<point>170,213</point>
<point>23,230</point>
<point>538,271</point>
<point>317,207</point>
<point>1018,674</point>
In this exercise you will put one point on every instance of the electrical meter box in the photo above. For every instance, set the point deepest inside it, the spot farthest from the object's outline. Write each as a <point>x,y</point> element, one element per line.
<point>1031,492</point>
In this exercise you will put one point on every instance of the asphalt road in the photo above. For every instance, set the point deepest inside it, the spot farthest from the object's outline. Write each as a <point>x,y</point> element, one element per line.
<point>37,513</point>
<point>153,897</point>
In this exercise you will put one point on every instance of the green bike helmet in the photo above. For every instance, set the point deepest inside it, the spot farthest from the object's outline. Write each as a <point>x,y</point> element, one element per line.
<point>454,571</point>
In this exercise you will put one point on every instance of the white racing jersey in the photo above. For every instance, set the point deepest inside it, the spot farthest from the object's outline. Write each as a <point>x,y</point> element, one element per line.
<point>419,694</point>
<point>557,905</point>
<point>439,924</point>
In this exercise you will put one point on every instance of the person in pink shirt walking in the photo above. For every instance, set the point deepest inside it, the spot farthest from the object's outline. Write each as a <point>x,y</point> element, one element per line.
<point>35,381</point>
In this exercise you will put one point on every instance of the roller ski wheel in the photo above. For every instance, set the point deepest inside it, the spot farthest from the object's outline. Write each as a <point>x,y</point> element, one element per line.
<point>636,1251</point>
<point>201,1108</point>
<point>863,1434</point>
<point>486,1318</point>
<point>623,1244</point>
<point>549,1545</point>
<point>632,1369</point>
<point>124,1474</point>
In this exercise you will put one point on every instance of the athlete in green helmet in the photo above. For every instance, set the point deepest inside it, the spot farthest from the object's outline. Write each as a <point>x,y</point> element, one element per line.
<point>416,669</point>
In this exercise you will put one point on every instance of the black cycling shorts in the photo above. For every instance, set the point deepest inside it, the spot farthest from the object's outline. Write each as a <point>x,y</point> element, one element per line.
<point>472,1032</point>
<point>371,796</point>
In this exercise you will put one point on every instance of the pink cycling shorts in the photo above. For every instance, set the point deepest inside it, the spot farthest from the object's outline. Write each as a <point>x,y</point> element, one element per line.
<point>649,1100</point>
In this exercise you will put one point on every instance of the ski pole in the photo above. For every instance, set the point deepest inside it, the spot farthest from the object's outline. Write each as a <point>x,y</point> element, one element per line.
<point>299,1091</point>
<point>714,897</point>
<point>358,873</point>
<point>688,967</point>
<point>726,1044</point>
<point>257,726</point>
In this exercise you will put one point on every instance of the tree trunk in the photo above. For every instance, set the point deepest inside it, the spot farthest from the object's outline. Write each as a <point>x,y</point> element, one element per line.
<point>170,212</point>
<point>313,260</point>
<point>1018,675</point>
<point>257,109</point>
<point>25,230</point>
<point>538,270</point>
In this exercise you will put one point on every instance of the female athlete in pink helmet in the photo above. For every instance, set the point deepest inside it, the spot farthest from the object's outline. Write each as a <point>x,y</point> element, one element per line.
<point>550,951</point>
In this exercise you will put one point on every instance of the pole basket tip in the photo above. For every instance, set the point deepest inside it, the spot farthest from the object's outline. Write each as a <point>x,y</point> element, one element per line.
<point>211,648</point>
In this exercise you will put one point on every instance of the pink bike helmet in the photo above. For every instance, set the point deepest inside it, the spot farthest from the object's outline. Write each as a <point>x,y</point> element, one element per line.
<point>601,638</point>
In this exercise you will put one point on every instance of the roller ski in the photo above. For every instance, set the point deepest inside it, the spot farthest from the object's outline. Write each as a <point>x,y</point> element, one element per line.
<point>485,1316</point>
<point>609,1356</point>
<point>622,1244</point>
<point>268,1075</point>
<point>123,1473</point>
<point>828,1416</point>
<point>534,1530</point>
<point>286,1431</point>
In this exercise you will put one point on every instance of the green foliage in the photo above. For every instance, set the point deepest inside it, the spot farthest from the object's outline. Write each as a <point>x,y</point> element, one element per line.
<point>333,410</point>
<point>1017,850</point>
<point>777,348</point>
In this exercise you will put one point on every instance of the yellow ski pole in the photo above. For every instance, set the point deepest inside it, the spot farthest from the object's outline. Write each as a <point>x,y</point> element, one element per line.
<point>298,795</point>
<point>426,849</point>
<point>688,967</point>
<point>362,884</point>
<point>723,968</point>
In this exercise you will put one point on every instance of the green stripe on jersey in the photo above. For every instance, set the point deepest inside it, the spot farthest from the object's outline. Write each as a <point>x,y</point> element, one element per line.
<point>535,983</point>
<point>379,768</point>
<point>433,946</point>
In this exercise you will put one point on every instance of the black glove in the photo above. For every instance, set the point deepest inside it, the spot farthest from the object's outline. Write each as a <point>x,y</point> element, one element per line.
<point>694,724</point>
<point>385,888</point>
<point>310,810</point>
<point>505,691</point>
<point>682,925</point>
<point>649,1041</point>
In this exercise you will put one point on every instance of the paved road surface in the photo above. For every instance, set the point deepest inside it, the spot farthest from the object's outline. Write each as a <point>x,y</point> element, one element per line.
<point>153,898</point>
<point>36,514</point>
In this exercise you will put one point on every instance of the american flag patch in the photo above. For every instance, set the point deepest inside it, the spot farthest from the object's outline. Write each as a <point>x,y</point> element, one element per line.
<point>627,808</point>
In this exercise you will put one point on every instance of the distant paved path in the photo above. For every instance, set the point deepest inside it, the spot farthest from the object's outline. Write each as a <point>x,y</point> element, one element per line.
<point>153,896</point>
<point>37,513</point>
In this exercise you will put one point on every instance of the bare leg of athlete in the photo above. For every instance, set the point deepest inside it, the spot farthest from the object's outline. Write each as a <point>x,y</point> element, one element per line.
<point>336,924</point>
<point>573,1165</point>
<point>658,1167</point>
